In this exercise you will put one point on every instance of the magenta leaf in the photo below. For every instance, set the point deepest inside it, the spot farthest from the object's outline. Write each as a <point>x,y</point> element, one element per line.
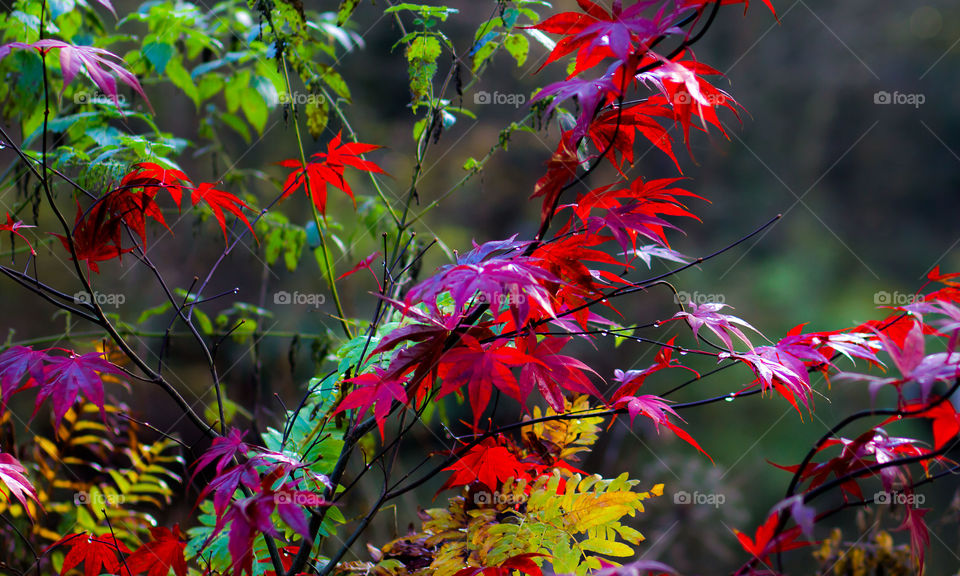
<point>13,476</point>
<point>102,66</point>
<point>708,314</point>
<point>66,376</point>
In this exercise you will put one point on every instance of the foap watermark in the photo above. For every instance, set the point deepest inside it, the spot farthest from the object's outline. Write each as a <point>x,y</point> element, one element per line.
<point>98,500</point>
<point>884,298</point>
<point>713,100</point>
<point>499,98</point>
<point>911,500</point>
<point>84,97</point>
<point>299,298</point>
<point>299,98</point>
<point>101,298</point>
<point>500,300</point>
<point>698,298</point>
<point>298,498</point>
<point>699,499</point>
<point>883,98</point>
<point>484,498</point>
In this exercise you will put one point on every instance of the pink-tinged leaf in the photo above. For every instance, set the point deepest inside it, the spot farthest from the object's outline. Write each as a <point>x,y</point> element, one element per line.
<point>106,4</point>
<point>14,228</point>
<point>555,371</point>
<point>638,568</point>
<point>223,449</point>
<point>365,264</point>
<point>66,376</point>
<point>251,516</point>
<point>919,535</point>
<point>15,363</point>
<point>657,409</point>
<point>764,543</point>
<point>631,380</point>
<point>523,563</point>
<point>723,325</point>
<point>377,390</point>
<point>225,485</point>
<point>13,476</point>
<point>781,371</point>
<point>508,281</point>
<point>102,66</point>
<point>645,253</point>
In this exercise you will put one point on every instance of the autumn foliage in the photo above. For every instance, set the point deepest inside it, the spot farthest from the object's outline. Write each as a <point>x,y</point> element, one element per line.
<point>483,350</point>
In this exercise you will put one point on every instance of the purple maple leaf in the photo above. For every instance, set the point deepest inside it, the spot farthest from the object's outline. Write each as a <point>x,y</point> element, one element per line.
<point>64,377</point>
<point>722,325</point>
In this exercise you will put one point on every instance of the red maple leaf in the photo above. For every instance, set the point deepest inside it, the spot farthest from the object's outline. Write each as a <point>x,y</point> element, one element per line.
<point>520,562</point>
<point>154,177</point>
<point>95,238</point>
<point>13,476</point>
<point>377,390</point>
<point>64,377</point>
<point>218,201</point>
<point>621,127</point>
<point>328,171</point>
<point>223,449</point>
<point>98,554</point>
<point>763,544</point>
<point>480,369</point>
<point>14,227</point>
<point>488,463</point>
<point>163,553</point>
<point>946,420</point>
<point>561,170</point>
<point>553,372</point>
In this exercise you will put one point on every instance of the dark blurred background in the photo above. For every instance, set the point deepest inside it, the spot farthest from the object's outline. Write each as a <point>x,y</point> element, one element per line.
<point>867,189</point>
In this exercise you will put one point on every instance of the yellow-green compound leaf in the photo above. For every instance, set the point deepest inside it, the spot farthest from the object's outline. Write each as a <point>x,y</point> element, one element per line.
<point>607,547</point>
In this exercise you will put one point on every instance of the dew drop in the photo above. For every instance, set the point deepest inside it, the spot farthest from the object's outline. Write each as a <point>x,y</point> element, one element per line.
<point>656,324</point>
<point>683,352</point>
<point>604,333</point>
<point>899,416</point>
<point>730,397</point>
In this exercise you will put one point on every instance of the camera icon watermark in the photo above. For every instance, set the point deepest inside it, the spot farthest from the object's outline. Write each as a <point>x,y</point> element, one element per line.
<point>98,500</point>
<point>84,97</point>
<point>500,300</point>
<point>298,498</point>
<point>299,299</point>
<point>884,298</point>
<point>889,498</point>
<point>100,298</point>
<point>684,498</point>
<point>485,498</point>
<point>499,98</point>
<point>883,98</point>
<point>698,298</point>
